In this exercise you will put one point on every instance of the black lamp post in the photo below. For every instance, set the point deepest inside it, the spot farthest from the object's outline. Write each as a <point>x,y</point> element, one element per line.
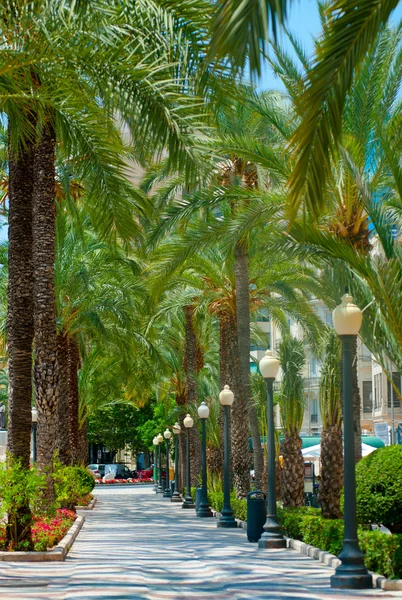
<point>167,435</point>
<point>155,443</point>
<point>34,430</point>
<point>160,490</point>
<point>188,501</point>
<point>272,536</point>
<point>226,519</point>
<point>351,573</point>
<point>176,494</point>
<point>204,509</point>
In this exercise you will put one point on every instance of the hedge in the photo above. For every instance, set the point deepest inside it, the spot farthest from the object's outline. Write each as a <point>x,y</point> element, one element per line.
<point>382,552</point>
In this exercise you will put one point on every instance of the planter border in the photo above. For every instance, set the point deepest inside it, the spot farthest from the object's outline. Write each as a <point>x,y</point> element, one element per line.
<point>90,506</point>
<point>328,559</point>
<point>58,553</point>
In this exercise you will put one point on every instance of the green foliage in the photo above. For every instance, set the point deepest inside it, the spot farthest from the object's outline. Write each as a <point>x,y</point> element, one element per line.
<point>19,488</point>
<point>382,552</point>
<point>71,484</point>
<point>379,488</point>
<point>291,399</point>
<point>330,386</point>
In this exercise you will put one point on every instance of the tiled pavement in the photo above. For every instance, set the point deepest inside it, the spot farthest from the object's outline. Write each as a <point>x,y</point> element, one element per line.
<point>138,545</point>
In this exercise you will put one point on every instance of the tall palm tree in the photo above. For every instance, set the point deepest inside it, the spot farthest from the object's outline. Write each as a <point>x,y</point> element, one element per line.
<point>331,435</point>
<point>291,402</point>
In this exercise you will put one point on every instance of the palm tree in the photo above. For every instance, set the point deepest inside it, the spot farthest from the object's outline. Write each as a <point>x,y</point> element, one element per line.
<point>291,402</point>
<point>331,435</point>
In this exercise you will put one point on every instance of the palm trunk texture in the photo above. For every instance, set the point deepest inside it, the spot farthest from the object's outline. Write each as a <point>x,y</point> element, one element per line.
<point>62,416</point>
<point>45,337</point>
<point>243,329</point>
<point>73,364</point>
<point>191,390</point>
<point>20,326</point>
<point>331,472</point>
<point>293,470</point>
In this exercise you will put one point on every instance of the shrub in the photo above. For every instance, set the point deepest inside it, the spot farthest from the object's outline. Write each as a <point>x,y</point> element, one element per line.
<point>326,534</point>
<point>382,552</point>
<point>19,487</point>
<point>291,520</point>
<point>379,488</point>
<point>71,484</point>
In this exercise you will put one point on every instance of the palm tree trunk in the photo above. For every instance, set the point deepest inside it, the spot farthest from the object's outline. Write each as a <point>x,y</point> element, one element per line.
<point>293,470</point>
<point>239,424</point>
<point>83,455</point>
<point>191,389</point>
<point>331,472</point>
<point>20,328</point>
<point>356,406</point>
<point>45,338</point>
<point>62,416</point>
<point>243,329</point>
<point>73,363</point>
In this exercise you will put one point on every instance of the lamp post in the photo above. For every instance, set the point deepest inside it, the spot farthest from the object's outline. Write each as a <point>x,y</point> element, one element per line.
<point>34,429</point>
<point>272,536</point>
<point>167,435</point>
<point>188,501</point>
<point>351,573</point>
<point>176,494</point>
<point>155,443</point>
<point>226,519</point>
<point>159,437</point>
<point>204,509</point>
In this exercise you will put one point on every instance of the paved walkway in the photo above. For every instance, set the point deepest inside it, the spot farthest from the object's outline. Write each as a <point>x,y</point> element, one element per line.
<point>138,545</point>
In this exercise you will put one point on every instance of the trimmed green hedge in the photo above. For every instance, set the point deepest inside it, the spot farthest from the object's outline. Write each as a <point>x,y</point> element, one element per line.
<point>382,552</point>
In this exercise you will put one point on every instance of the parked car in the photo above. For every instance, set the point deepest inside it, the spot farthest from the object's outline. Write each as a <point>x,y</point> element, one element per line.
<point>97,470</point>
<point>119,470</point>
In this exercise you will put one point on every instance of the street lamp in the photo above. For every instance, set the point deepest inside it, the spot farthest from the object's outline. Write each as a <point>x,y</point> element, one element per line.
<point>155,443</point>
<point>167,435</point>
<point>176,494</point>
<point>159,437</point>
<point>34,429</point>
<point>272,536</point>
<point>204,510</point>
<point>226,519</point>
<point>351,573</point>
<point>188,501</point>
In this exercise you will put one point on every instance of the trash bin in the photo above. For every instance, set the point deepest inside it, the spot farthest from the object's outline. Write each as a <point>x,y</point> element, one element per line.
<point>256,514</point>
<point>198,494</point>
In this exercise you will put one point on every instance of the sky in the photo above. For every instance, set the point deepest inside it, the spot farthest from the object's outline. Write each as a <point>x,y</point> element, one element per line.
<point>304,23</point>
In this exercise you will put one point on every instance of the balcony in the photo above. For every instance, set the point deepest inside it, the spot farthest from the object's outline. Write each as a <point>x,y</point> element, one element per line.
<point>313,418</point>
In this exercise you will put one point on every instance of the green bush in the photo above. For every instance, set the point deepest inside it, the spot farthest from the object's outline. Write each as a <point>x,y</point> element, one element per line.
<point>382,552</point>
<point>379,488</point>
<point>326,534</point>
<point>71,484</point>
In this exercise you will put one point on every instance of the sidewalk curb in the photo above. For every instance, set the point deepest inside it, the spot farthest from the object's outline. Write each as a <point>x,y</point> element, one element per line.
<point>331,560</point>
<point>90,506</point>
<point>58,553</point>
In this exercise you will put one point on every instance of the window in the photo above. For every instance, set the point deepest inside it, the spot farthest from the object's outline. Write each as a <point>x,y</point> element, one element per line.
<point>366,354</point>
<point>377,391</point>
<point>397,382</point>
<point>367,396</point>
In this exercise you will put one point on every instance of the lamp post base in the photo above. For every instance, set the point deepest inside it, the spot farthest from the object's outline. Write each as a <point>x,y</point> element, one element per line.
<point>176,497</point>
<point>352,573</point>
<point>188,502</point>
<point>204,511</point>
<point>272,536</point>
<point>227,519</point>
<point>159,489</point>
<point>167,493</point>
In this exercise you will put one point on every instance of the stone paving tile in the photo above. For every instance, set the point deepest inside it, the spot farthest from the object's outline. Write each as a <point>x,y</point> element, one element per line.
<point>138,545</point>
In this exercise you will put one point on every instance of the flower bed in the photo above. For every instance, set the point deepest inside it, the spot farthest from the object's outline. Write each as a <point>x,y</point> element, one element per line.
<point>46,531</point>
<point>123,481</point>
<point>85,500</point>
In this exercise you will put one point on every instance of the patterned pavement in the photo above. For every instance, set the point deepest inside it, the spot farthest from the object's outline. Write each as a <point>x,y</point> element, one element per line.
<point>135,544</point>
